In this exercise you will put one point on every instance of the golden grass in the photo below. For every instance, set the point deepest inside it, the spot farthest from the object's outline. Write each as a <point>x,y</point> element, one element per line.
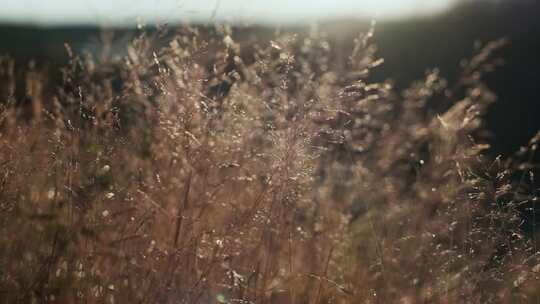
<point>190,173</point>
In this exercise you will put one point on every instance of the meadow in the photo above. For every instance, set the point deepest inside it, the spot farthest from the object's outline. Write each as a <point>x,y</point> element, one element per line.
<point>198,169</point>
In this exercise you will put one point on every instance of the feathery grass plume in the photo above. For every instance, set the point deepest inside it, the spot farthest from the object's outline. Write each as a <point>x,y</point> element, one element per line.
<point>194,171</point>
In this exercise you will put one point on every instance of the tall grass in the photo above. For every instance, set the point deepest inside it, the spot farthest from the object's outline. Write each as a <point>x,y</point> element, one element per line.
<point>206,171</point>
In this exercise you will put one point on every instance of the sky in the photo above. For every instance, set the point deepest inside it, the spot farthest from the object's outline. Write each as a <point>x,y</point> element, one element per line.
<point>130,12</point>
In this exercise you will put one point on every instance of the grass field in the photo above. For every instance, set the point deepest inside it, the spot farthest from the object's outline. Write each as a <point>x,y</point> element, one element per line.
<point>194,171</point>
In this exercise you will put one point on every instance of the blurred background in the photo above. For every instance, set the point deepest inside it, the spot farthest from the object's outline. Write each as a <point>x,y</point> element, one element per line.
<point>412,36</point>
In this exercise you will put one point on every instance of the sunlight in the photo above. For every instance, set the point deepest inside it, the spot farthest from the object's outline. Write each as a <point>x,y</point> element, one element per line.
<point>122,12</point>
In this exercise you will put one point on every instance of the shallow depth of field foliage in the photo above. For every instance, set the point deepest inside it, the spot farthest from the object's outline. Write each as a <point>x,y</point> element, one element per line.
<point>202,170</point>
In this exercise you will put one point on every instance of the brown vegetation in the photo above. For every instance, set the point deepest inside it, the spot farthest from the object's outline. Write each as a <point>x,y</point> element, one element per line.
<point>191,173</point>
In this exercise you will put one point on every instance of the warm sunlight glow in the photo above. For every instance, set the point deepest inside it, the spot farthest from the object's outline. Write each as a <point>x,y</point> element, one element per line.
<point>106,12</point>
